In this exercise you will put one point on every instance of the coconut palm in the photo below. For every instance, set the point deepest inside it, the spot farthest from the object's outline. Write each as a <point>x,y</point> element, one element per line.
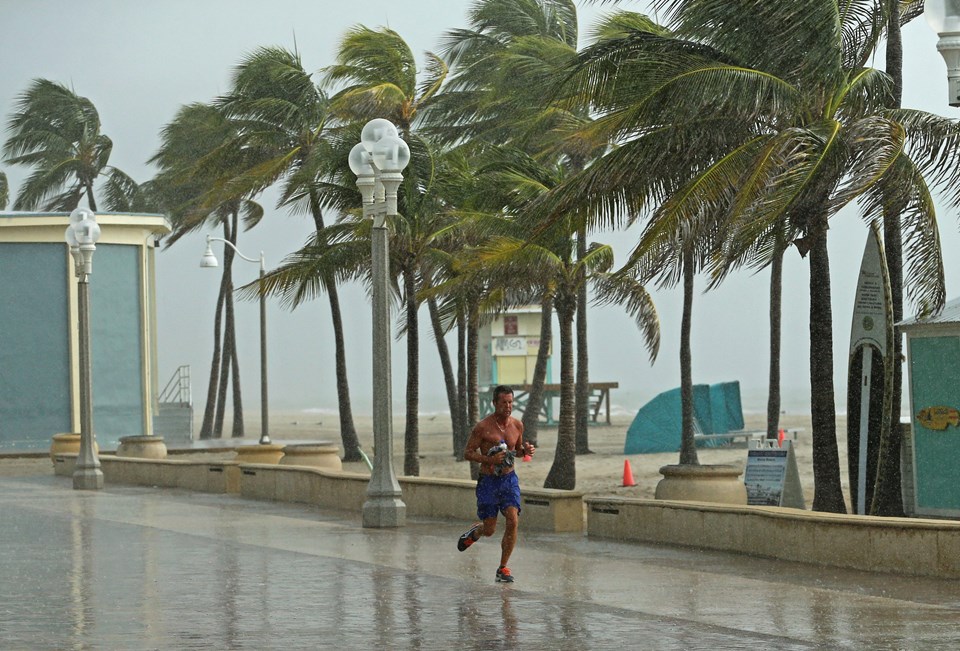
<point>197,135</point>
<point>4,191</point>
<point>548,265</point>
<point>506,62</point>
<point>56,133</point>
<point>376,74</point>
<point>887,496</point>
<point>783,134</point>
<point>283,115</point>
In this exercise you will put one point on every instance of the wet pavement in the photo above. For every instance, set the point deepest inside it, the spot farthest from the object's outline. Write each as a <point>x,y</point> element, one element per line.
<point>143,568</point>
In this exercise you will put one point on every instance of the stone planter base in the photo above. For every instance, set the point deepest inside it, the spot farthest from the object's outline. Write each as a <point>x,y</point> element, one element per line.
<point>259,453</point>
<point>717,483</point>
<point>67,443</point>
<point>142,447</point>
<point>317,455</point>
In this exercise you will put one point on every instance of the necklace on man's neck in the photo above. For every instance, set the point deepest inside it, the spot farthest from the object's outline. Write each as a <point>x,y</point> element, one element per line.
<point>499,426</point>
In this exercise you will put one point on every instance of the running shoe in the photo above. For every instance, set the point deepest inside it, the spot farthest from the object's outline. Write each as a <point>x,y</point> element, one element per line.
<point>504,575</point>
<point>466,538</point>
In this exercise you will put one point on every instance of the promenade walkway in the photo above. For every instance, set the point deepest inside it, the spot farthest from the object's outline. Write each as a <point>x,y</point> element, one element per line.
<point>140,568</point>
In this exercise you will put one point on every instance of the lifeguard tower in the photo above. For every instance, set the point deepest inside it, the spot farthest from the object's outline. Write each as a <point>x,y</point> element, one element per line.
<point>509,346</point>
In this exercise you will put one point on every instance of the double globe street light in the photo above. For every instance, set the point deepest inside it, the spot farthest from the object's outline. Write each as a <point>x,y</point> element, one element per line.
<point>944,17</point>
<point>378,161</point>
<point>210,261</point>
<point>81,236</point>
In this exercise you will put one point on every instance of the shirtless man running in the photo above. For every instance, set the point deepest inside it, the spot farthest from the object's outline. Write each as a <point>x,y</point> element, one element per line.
<point>494,443</point>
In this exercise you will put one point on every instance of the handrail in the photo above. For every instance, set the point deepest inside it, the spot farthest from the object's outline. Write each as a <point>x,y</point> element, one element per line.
<point>178,388</point>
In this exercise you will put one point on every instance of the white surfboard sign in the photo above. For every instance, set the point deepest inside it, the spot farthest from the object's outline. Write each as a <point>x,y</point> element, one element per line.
<point>869,308</point>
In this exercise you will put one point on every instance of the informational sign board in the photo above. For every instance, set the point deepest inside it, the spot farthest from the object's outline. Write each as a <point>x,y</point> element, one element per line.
<point>771,476</point>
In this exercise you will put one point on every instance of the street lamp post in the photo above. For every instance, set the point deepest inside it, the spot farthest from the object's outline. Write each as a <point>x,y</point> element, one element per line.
<point>209,261</point>
<point>944,17</point>
<point>81,236</point>
<point>378,161</point>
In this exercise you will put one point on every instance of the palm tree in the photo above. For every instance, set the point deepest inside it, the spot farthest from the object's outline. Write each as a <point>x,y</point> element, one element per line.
<point>377,76</point>
<point>510,58</point>
<point>4,191</point>
<point>190,143</point>
<point>887,496</point>
<point>56,133</point>
<point>783,134</point>
<point>281,113</point>
<point>548,265</point>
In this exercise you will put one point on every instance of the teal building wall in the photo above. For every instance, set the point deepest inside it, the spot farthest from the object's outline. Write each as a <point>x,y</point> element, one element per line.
<point>39,355</point>
<point>935,381</point>
<point>34,345</point>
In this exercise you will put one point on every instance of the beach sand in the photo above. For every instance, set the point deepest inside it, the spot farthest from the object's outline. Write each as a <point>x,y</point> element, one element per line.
<point>600,473</point>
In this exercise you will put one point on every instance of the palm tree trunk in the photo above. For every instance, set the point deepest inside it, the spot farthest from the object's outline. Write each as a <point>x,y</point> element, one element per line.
<point>563,472</point>
<point>232,368</point>
<point>225,365</point>
<point>531,417</point>
<point>583,357</point>
<point>473,380</point>
<point>887,496</point>
<point>776,310</point>
<point>473,388</point>
<point>460,422</point>
<point>411,436</point>
<point>446,364</point>
<point>206,428</point>
<point>688,446</point>
<point>91,201</point>
<point>229,333</point>
<point>238,432</point>
<point>348,433</point>
<point>828,494</point>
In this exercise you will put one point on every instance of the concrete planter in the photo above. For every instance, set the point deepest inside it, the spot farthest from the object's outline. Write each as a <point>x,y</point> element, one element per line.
<point>719,483</point>
<point>67,443</point>
<point>315,455</point>
<point>259,453</point>
<point>142,447</point>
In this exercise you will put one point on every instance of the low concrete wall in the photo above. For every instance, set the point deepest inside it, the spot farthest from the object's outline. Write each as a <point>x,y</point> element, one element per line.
<point>897,545</point>
<point>304,485</point>
<point>190,474</point>
<point>543,509</point>
<point>910,546</point>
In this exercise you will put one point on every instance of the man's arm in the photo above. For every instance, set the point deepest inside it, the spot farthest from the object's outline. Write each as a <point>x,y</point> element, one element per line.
<point>472,450</point>
<point>523,449</point>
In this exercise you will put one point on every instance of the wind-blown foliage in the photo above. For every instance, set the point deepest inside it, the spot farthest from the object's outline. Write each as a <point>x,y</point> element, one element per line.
<point>720,120</point>
<point>56,133</point>
<point>285,117</point>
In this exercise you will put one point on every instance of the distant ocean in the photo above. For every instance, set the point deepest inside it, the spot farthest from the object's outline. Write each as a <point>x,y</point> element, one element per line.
<point>624,404</point>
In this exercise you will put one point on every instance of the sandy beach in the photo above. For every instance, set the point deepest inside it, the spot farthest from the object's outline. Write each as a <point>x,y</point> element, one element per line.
<point>600,473</point>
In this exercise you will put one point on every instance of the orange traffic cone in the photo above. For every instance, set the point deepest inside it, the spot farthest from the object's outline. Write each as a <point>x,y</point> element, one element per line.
<point>780,437</point>
<point>628,474</point>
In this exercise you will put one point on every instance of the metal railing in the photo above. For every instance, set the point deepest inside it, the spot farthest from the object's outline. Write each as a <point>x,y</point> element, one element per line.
<point>178,388</point>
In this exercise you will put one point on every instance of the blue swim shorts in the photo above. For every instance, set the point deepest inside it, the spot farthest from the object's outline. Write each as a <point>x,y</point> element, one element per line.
<point>495,494</point>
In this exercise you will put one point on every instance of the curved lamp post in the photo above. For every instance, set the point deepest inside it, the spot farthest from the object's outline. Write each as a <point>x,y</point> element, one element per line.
<point>82,235</point>
<point>944,17</point>
<point>378,161</point>
<point>210,261</point>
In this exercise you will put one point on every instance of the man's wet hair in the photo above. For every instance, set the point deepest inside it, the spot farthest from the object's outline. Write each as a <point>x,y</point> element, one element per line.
<point>501,390</point>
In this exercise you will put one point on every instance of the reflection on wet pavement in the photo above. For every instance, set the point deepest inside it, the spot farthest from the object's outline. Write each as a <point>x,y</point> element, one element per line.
<point>137,568</point>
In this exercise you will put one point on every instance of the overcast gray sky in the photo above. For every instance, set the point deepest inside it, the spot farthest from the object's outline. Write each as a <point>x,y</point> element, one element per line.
<point>140,61</point>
